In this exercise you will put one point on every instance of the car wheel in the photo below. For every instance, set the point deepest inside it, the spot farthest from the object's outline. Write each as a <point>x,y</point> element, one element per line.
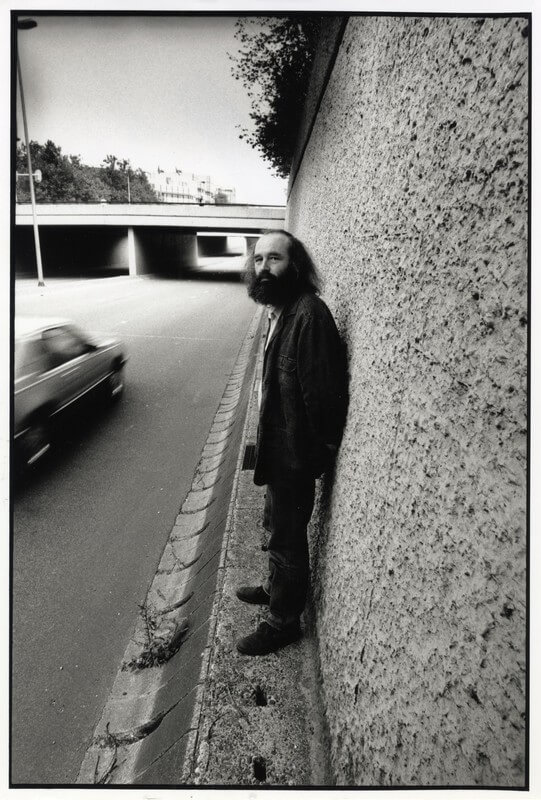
<point>115,384</point>
<point>36,441</point>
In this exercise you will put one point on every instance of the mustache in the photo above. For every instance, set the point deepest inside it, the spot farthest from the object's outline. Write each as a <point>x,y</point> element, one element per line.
<point>266,277</point>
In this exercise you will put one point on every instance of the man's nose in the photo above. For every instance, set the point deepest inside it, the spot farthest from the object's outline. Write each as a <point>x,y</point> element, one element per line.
<point>263,267</point>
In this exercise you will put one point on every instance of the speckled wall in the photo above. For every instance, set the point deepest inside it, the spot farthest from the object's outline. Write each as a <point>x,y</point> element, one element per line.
<point>412,196</point>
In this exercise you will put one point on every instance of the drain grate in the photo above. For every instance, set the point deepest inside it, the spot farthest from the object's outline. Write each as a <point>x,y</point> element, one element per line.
<point>260,768</point>
<point>249,457</point>
<point>260,696</point>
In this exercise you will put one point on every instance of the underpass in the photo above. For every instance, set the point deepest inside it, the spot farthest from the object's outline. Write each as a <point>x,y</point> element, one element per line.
<point>161,239</point>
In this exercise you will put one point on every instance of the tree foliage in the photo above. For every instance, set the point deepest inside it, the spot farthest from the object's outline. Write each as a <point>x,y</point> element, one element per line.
<point>274,63</point>
<point>65,179</point>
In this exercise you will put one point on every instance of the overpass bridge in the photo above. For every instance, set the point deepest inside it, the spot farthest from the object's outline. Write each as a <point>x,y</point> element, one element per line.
<point>135,239</point>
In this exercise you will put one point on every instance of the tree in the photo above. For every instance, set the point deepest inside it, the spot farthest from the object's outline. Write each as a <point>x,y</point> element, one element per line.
<point>65,179</point>
<point>110,162</point>
<point>274,67</point>
<point>57,173</point>
<point>141,190</point>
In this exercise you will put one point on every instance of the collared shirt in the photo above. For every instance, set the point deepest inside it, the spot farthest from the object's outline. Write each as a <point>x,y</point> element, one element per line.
<point>273,317</point>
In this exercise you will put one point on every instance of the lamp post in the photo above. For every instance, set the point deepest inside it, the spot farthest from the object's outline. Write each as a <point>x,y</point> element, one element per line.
<point>200,189</point>
<point>27,24</point>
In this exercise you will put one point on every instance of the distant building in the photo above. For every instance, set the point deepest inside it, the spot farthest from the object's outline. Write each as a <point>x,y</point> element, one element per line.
<point>188,187</point>
<point>222,196</point>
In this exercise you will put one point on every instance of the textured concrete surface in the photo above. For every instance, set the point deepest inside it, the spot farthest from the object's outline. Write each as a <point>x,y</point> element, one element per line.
<point>412,196</point>
<point>324,57</point>
<point>260,720</point>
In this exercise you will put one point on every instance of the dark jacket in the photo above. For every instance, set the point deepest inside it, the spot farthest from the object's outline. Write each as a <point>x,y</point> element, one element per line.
<point>303,398</point>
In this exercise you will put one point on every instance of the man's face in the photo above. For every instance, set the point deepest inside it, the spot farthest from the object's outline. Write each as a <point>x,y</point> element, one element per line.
<point>274,281</point>
<point>271,254</point>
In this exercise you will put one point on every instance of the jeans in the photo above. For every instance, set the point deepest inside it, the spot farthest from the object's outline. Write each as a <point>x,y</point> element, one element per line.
<point>288,508</point>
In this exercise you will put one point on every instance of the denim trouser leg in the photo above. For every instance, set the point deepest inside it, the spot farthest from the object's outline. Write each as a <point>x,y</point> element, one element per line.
<point>288,508</point>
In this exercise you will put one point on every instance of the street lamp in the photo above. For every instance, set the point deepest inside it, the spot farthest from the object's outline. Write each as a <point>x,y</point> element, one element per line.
<point>24,25</point>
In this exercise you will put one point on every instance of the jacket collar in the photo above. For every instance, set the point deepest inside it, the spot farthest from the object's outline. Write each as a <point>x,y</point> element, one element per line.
<point>292,307</point>
<point>287,311</point>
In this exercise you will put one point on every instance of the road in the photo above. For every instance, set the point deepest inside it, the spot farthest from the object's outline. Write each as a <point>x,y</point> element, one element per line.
<point>89,529</point>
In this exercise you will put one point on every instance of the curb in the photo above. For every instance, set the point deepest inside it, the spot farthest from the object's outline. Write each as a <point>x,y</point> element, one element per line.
<point>189,770</point>
<point>147,725</point>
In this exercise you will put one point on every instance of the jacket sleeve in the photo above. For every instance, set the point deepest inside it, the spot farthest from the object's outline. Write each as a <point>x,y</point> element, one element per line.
<point>322,377</point>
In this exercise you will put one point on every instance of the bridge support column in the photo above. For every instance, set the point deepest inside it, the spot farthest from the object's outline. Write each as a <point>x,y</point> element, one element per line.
<point>182,251</point>
<point>132,260</point>
<point>250,243</point>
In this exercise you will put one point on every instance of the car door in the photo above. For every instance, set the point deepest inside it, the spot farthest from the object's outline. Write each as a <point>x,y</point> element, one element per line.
<point>73,365</point>
<point>32,389</point>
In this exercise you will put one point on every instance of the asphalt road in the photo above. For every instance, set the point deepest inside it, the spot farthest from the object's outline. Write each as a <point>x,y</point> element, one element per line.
<point>89,528</point>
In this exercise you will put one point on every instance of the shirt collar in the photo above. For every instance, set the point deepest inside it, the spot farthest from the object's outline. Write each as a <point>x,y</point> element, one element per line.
<point>274,311</point>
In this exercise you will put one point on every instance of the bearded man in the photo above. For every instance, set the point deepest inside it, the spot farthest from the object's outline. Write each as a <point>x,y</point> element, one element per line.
<point>302,403</point>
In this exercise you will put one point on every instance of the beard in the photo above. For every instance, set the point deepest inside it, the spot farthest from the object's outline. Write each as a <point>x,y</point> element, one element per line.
<point>271,290</point>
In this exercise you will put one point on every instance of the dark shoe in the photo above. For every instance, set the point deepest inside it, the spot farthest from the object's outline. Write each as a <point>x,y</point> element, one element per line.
<point>253,594</point>
<point>267,639</point>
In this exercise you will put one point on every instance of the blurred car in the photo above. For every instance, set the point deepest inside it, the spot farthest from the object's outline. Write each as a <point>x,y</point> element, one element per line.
<point>56,366</point>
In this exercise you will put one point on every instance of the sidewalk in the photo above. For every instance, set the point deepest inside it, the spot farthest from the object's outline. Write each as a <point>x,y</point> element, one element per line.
<point>259,719</point>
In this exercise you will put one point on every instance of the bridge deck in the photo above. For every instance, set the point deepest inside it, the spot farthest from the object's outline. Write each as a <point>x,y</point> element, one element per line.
<point>238,218</point>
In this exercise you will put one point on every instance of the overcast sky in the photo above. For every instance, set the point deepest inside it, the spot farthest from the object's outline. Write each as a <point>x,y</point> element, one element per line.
<point>155,90</point>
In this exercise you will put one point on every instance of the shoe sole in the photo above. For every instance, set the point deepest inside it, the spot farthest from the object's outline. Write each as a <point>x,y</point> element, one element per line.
<point>268,652</point>
<point>253,602</point>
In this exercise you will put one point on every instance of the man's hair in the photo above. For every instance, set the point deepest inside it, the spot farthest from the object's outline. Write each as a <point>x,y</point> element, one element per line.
<point>309,280</point>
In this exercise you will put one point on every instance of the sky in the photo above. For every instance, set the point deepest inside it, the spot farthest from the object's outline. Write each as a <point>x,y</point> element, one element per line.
<point>157,90</point>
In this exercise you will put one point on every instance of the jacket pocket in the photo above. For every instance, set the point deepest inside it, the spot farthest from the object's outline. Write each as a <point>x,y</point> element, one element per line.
<point>287,364</point>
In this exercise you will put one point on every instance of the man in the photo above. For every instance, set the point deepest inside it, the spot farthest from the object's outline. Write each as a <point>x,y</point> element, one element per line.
<point>302,405</point>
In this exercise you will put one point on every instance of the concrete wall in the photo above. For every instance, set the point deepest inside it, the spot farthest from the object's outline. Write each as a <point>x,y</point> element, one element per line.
<point>411,193</point>
<point>164,251</point>
<point>251,242</point>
